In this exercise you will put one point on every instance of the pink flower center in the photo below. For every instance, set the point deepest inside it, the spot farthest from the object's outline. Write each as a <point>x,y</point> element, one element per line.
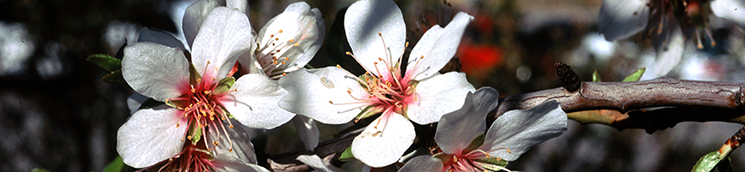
<point>388,90</point>
<point>200,106</point>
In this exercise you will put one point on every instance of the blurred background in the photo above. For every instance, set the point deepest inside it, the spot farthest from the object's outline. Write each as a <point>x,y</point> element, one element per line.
<point>57,114</point>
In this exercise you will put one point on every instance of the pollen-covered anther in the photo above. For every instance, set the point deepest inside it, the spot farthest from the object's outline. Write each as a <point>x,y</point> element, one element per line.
<point>231,126</point>
<point>215,143</point>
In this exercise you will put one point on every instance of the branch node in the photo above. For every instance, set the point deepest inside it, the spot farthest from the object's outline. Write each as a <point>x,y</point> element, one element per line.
<point>567,76</point>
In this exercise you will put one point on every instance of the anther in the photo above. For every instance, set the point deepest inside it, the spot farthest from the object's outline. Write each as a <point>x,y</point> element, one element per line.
<point>276,39</point>
<point>291,40</point>
<point>296,44</point>
<point>331,102</point>
<point>215,143</point>
<point>380,34</point>
<point>231,126</point>
<point>271,36</point>
<point>188,137</point>
<point>177,124</point>
<point>280,31</point>
<point>349,53</point>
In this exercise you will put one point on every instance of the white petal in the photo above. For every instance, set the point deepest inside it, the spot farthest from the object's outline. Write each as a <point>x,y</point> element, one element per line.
<point>151,136</point>
<point>155,70</point>
<point>307,130</point>
<point>620,19</point>
<point>518,130</point>
<point>730,9</point>
<point>363,21</point>
<point>242,152</point>
<point>670,50</point>
<point>225,35</point>
<point>317,163</point>
<point>312,94</point>
<point>299,25</point>
<point>437,47</point>
<point>254,104</point>
<point>457,129</point>
<point>240,5</point>
<point>134,102</point>
<point>384,145</point>
<point>160,37</point>
<point>423,163</point>
<point>194,16</point>
<point>437,96</point>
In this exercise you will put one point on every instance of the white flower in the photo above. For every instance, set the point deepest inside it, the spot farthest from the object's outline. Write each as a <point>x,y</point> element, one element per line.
<point>460,135</point>
<point>287,42</point>
<point>376,34</point>
<point>204,98</point>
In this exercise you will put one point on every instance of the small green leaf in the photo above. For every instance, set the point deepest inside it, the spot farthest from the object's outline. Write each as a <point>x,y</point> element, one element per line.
<point>368,111</point>
<point>224,85</point>
<point>635,76</point>
<point>107,62</point>
<point>114,77</point>
<point>39,170</point>
<point>115,166</point>
<point>708,162</point>
<point>195,132</point>
<point>194,75</point>
<point>443,156</point>
<point>475,143</point>
<point>492,161</point>
<point>346,155</point>
<point>178,104</point>
<point>596,77</point>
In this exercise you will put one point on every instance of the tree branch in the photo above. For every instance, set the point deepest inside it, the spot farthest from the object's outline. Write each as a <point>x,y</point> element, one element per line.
<point>652,105</point>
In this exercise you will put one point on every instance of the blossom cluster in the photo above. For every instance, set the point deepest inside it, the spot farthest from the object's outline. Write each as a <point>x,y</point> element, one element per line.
<point>229,78</point>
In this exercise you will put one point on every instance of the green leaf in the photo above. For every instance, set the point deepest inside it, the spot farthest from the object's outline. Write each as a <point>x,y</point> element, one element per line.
<point>39,170</point>
<point>596,77</point>
<point>708,162</point>
<point>195,132</point>
<point>346,155</point>
<point>107,62</point>
<point>368,111</point>
<point>115,166</point>
<point>194,76</point>
<point>114,77</point>
<point>492,161</point>
<point>475,143</point>
<point>224,85</point>
<point>178,104</point>
<point>635,76</point>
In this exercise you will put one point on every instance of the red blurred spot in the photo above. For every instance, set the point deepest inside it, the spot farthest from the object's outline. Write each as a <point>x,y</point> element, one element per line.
<point>479,60</point>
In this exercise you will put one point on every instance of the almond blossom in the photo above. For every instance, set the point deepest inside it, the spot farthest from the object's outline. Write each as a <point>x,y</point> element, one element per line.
<point>287,43</point>
<point>201,96</point>
<point>465,147</point>
<point>376,34</point>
